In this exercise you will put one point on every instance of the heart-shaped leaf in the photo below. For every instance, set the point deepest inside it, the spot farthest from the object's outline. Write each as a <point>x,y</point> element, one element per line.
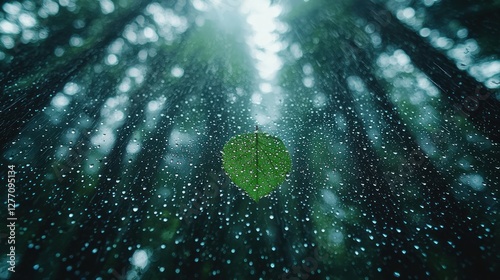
<point>256,162</point>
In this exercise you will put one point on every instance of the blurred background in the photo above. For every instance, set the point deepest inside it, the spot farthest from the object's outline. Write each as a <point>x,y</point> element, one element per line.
<point>114,113</point>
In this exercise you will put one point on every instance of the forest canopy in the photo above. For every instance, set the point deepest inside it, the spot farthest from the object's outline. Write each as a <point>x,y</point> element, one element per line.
<point>114,114</point>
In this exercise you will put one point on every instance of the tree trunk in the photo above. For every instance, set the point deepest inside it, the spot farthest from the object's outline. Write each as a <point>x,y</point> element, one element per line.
<point>22,101</point>
<point>469,97</point>
<point>444,209</point>
<point>374,193</point>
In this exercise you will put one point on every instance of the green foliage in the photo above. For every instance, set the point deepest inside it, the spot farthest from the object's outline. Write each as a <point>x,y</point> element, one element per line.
<point>256,162</point>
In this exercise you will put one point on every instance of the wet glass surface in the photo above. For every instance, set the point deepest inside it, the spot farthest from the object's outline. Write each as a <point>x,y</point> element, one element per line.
<point>114,114</point>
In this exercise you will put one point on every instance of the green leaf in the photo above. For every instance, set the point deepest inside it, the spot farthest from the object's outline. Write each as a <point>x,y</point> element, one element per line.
<point>256,162</point>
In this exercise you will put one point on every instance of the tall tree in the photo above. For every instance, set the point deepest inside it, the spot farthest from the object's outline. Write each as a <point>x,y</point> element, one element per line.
<point>29,85</point>
<point>462,91</point>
